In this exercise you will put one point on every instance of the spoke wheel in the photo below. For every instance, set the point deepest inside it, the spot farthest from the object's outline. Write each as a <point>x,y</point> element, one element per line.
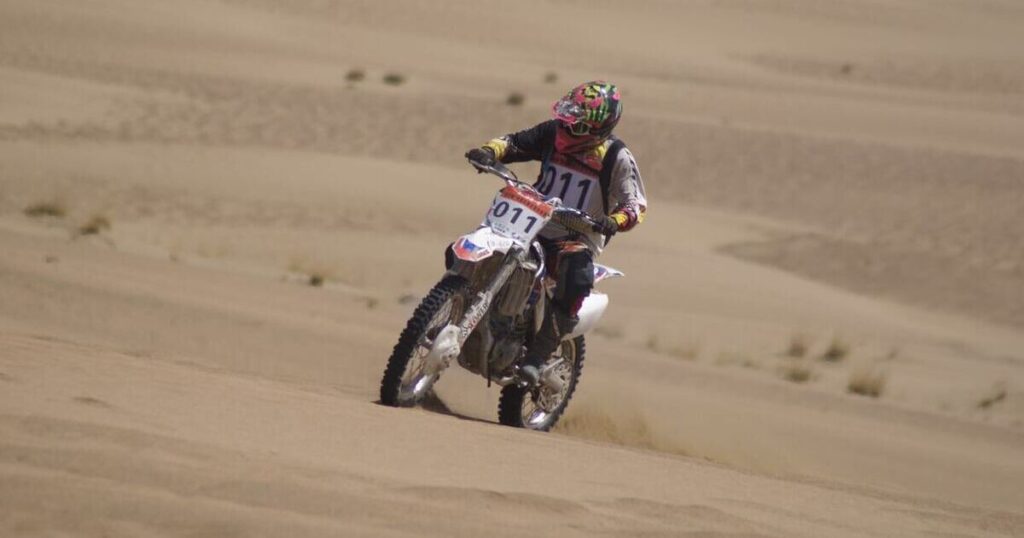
<point>406,381</point>
<point>541,407</point>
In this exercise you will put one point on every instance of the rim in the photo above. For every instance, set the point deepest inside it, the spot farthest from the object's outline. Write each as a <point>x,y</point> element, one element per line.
<point>544,403</point>
<point>415,381</point>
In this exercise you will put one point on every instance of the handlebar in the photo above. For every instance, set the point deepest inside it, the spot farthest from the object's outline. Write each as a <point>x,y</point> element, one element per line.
<point>571,218</point>
<point>497,169</point>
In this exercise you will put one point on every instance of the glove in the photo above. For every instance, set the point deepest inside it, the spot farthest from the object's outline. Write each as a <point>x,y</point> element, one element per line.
<point>606,225</point>
<point>481,156</point>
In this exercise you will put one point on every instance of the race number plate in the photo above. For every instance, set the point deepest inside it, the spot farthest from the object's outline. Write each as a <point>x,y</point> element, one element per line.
<point>517,215</point>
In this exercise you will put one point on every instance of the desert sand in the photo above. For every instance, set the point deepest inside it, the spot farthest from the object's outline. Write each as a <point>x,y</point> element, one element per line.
<point>820,332</point>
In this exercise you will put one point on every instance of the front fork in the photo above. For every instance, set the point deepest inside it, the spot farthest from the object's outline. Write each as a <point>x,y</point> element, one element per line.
<point>448,343</point>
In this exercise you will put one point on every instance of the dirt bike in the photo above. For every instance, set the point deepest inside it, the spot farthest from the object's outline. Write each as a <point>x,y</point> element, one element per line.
<point>488,306</point>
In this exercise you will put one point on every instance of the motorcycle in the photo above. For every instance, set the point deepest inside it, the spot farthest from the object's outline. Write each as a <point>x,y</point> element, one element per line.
<point>488,306</point>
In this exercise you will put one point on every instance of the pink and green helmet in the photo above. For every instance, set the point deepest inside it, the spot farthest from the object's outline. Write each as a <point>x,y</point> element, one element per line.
<point>590,109</point>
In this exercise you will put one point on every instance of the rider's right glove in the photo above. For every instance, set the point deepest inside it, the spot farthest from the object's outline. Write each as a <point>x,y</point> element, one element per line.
<point>481,156</point>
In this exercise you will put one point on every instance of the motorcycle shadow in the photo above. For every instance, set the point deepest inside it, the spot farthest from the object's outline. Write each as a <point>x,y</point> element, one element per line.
<point>434,404</point>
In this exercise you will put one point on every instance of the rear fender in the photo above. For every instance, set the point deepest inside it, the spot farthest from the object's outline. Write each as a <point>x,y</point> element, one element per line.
<point>595,304</point>
<point>590,313</point>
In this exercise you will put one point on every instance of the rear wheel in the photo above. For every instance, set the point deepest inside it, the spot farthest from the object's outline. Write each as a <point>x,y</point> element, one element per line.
<point>541,407</point>
<point>406,381</point>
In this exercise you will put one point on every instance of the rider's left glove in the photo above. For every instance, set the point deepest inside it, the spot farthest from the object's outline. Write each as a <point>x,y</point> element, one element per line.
<point>481,156</point>
<point>606,225</point>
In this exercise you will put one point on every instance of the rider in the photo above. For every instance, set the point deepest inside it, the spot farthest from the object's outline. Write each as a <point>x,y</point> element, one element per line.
<point>588,168</point>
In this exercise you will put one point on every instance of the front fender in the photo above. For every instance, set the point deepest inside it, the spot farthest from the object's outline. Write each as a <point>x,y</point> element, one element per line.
<point>480,244</point>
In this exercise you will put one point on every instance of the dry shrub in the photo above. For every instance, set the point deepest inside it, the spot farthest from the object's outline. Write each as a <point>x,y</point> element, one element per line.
<point>687,352</point>
<point>515,99</point>
<point>612,332</point>
<point>867,381</point>
<point>550,77</point>
<point>95,225</point>
<point>797,372</point>
<point>683,351</point>
<point>797,347</point>
<point>997,395</point>
<point>51,208</point>
<point>355,75</point>
<point>394,79</point>
<point>652,343</point>
<point>837,350</point>
<point>316,273</point>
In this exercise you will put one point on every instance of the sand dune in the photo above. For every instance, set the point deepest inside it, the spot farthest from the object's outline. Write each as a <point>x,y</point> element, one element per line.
<point>835,195</point>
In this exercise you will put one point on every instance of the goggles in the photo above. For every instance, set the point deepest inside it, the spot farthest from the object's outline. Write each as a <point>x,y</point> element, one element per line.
<point>572,116</point>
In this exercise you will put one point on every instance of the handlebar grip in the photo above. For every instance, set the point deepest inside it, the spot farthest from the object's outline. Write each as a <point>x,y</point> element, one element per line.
<point>577,222</point>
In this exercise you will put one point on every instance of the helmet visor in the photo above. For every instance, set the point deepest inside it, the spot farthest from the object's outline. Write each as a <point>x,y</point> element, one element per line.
<point>572,115</point>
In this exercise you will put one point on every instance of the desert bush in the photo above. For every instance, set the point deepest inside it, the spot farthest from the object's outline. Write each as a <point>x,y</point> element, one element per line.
<point>95,225</point>
<point>394,79</point>
<point>652,343</point>
<point>355,75</point>
<point>515,99</point>
<point>609,331</point>
<point>550,77</point>
<point>797,372</point>
<point>867,382</point>
<point>50,208</point>
<point>687,352</point>
<point>997,395</point>
<point>316,280</point>
<point>837,350</point>
<point>797,347</point>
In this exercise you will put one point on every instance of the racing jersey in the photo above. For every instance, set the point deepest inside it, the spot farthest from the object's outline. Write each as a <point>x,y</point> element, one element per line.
<point>604,180</point>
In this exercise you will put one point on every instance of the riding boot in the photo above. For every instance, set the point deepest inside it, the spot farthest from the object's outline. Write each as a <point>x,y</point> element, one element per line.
<point>545,342</point>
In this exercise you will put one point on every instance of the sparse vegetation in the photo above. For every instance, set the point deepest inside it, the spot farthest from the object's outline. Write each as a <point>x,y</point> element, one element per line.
<point>371,303</point>
<point>551,77</point>
<point>797,372</point>
<point>355,75</point>
<point>652,343</point>
<point>997,395</point>
<point>680,350</point>
<point>515,99</point>
<point>732,358</point>
<point>613,332</point>
<point>312,273</point>
<point>797,347</point>
<point>394,79</point>
<point>867,381</point>
<point>50,208</point>
<point>687,352</point>
<point>95,225</point>
<point>408,298</point>
<point>837,351</point>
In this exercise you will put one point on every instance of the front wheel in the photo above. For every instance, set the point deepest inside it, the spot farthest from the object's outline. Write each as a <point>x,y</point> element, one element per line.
<point>406,382</point>
<point>541,407</point>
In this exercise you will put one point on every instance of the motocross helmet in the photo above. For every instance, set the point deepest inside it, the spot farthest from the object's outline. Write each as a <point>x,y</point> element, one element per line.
<point>588,114</point>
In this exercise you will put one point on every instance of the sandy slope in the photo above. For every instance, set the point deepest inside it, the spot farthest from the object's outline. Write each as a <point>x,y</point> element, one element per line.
<point>174,374</point>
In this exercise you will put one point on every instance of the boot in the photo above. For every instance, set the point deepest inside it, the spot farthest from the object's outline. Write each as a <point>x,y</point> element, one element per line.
<point>545,342</point>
